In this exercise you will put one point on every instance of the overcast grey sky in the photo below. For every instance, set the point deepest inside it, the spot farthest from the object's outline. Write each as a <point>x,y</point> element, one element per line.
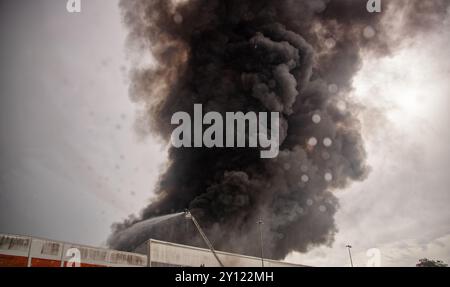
<point>71,163</point>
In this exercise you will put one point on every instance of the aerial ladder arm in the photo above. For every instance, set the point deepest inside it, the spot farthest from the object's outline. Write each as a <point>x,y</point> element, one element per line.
<point>208,243</point>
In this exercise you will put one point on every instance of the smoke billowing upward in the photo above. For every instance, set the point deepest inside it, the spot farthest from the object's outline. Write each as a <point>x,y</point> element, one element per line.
<point>293,57</point>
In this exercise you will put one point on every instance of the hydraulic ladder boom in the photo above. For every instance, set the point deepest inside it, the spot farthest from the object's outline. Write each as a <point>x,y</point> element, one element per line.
<point>208,243</point>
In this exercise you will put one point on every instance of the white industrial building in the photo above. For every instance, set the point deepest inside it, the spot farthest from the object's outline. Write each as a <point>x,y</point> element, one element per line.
<point>24,251</point>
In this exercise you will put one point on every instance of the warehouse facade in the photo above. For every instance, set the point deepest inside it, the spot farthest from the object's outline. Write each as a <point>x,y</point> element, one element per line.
<point>24,251</point>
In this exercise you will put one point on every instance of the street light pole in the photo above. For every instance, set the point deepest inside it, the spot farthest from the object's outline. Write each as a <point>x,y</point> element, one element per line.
<point>350,254</point>
<point>260,223</point>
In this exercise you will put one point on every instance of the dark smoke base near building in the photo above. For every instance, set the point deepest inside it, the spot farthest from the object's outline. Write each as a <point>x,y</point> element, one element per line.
<point>293,57</point>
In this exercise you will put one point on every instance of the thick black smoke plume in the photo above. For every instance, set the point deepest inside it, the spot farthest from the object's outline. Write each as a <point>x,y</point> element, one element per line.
<point>296,57</point>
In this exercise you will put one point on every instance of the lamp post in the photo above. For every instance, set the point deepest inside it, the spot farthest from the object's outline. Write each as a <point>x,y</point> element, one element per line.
<point>260,223</point>
<point>349,247</point>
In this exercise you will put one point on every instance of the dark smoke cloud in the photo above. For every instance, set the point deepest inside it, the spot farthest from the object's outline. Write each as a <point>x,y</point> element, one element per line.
<point>257,55</point>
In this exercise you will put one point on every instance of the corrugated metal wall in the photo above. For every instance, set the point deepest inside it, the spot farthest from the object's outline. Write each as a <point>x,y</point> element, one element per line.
<point>170,254</point>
